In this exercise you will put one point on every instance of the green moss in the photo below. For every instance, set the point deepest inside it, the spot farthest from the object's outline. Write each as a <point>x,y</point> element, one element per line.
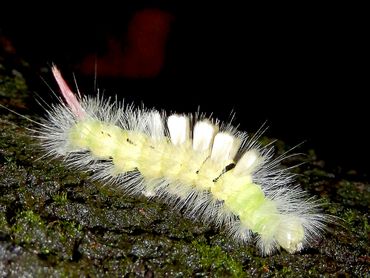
<point>55,239</point>
<point>60,198</point>
<point>355,194</point>
<point>217,262</point>
<point>28,228</point>
<point>13,88</point>
<point>4,226</point>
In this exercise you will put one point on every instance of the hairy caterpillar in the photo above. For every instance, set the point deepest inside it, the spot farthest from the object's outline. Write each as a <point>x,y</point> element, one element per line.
<point>208,169</point>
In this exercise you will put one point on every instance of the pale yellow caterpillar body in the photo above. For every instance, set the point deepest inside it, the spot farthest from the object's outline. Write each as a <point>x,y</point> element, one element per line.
<point>210,170</point>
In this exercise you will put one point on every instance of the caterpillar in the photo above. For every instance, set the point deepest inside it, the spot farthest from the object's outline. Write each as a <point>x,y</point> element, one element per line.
<point>206,168</point>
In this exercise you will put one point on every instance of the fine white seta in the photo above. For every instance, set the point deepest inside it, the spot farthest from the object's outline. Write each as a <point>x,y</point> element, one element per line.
<point>209,170</point>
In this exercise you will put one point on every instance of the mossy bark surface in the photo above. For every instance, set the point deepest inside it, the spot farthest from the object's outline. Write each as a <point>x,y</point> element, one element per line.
<point>55,222</point>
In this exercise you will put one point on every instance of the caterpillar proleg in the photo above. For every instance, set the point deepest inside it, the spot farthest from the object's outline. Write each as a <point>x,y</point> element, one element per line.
<point>208,169</point>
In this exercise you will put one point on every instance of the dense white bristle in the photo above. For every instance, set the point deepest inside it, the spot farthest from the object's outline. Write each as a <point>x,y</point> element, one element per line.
<point>203,134</point>
<point>178,127</point>
<point>155,125</point>
<point>248,163</point>
<point>225,147</point>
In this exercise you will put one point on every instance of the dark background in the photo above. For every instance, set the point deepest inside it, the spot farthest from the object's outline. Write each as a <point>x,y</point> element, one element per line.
<point>300,68</point>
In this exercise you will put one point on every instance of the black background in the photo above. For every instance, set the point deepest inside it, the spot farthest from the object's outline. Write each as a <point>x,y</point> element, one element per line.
<point>300,68</point>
